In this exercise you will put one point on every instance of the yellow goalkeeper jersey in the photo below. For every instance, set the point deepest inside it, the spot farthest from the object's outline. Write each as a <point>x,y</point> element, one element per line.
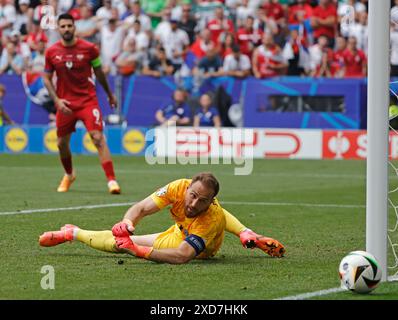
<point>209,225</point>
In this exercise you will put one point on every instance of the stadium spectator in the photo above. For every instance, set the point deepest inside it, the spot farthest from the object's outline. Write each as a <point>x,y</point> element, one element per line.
<point>38,61</point>
<point>112,37</point>
<point>23,17</point>
<point>63,6</point>
<point>359,30</point>
<point>86,26</point>
<point>126,9</point>
<point>355,61</point>
<point>236,64</point>
<point>164,26</point>
<point>205,11</point>
<point>267,59</point>
<point>36,34</point>
<point>137,14</point>
<point>104,13</point>
<point>4,117</point>
<point>176,112</point>
<point>76,10</point>
<point>243,11</point>
<point>159,65</point>
<point>176,44</point>
<point>8,16</point>
<point>299,13</point>
<point>207,115</point>
<point>219,24</point>
<point>226,43</point>
<point>295,52</point>
<point>176,9</point>
<point>272,17</point>
<point>209,66</point>
<point>76,99</point>
<point>323,69</point>
<point>153,8</point>
<point>249,38</point>
<point>21,47</point>
<point>361,6</point>
<point>324,21</point>
<point>202,44</point>
<point>123,7</point>
<point>316,52</point>
<point>188,22</point>
<point>299,18</point>
<point>198,232</point>
<point>129,60</point>
<point>139,36</point>
<point>274,10</point>
<point>337,67</point>
<point>11,62</point>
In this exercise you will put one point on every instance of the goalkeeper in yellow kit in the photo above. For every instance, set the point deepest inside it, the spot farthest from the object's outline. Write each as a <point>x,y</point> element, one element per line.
<point>198,232</point>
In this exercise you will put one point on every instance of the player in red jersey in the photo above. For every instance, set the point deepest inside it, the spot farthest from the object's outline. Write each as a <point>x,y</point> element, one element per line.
<point>73,61</point>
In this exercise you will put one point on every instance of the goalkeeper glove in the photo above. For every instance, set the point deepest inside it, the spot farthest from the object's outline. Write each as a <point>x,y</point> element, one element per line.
<point>124,228</point>
<point>127,245</point>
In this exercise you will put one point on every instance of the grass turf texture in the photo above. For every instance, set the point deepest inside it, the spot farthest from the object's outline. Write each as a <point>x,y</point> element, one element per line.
<point>316,237</point>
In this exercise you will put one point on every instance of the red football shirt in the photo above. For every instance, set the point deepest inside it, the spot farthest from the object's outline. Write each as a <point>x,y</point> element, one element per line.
<point>354,62</point>
<point>217,27</point>
<point>73,68</point>
<point>306,10</point>
<point>323,13</point>
<point>248,40</point>
<point>274,10</point>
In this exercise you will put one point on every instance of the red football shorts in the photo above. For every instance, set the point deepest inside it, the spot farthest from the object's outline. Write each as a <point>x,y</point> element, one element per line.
<point>91,116</point>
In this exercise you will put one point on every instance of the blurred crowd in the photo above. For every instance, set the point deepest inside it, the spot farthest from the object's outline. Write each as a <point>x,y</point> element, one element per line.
<point>240,38</point>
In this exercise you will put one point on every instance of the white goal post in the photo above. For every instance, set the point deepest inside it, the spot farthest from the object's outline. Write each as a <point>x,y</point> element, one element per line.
<point>377,131</point>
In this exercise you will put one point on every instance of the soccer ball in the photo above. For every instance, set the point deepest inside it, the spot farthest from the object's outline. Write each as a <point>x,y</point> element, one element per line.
<point>359,271</point>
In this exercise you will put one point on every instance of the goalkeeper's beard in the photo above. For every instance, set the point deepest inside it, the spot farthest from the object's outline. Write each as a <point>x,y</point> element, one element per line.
<point>192,212</point>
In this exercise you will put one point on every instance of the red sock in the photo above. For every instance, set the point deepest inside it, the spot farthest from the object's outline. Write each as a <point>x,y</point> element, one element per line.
<point>67,164</point>
<point>108,169</point>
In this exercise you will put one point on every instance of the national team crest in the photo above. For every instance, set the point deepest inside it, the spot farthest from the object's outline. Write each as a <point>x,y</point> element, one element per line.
<point>69,64</point>
<point>161,192</point>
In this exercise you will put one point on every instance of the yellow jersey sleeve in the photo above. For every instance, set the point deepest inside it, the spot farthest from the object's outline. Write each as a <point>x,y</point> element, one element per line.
<point>170,193</point>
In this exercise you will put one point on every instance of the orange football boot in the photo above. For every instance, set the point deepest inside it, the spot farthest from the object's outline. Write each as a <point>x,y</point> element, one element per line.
<point>53,238</point>
<point>113,187</point>
<point>66,182</point>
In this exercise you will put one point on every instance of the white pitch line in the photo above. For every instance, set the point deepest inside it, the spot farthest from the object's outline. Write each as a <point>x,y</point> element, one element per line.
<point>88,207</point>
<point>319,293</point>
<point>123,204</point>
<point>309,295</point>
<point>316,205</point>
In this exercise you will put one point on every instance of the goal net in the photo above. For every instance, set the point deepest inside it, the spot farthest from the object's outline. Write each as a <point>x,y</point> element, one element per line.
<point>392,231</point>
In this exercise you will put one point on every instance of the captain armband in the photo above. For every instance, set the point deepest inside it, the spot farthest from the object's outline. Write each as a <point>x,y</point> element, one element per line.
<point>96,62</point>
<point>196,242</point>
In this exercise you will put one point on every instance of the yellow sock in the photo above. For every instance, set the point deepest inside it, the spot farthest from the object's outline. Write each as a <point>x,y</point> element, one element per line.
<point>233,225</point>
<point>100,240</point>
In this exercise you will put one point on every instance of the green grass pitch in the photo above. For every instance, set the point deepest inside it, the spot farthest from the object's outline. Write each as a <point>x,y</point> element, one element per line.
<point>316,208</point>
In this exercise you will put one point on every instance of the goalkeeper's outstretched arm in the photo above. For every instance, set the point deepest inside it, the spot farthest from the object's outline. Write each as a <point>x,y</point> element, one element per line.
<point>133,215</point>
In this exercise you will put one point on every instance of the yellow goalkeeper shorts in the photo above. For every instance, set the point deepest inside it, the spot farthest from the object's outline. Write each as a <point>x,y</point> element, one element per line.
<point>171,238</point>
